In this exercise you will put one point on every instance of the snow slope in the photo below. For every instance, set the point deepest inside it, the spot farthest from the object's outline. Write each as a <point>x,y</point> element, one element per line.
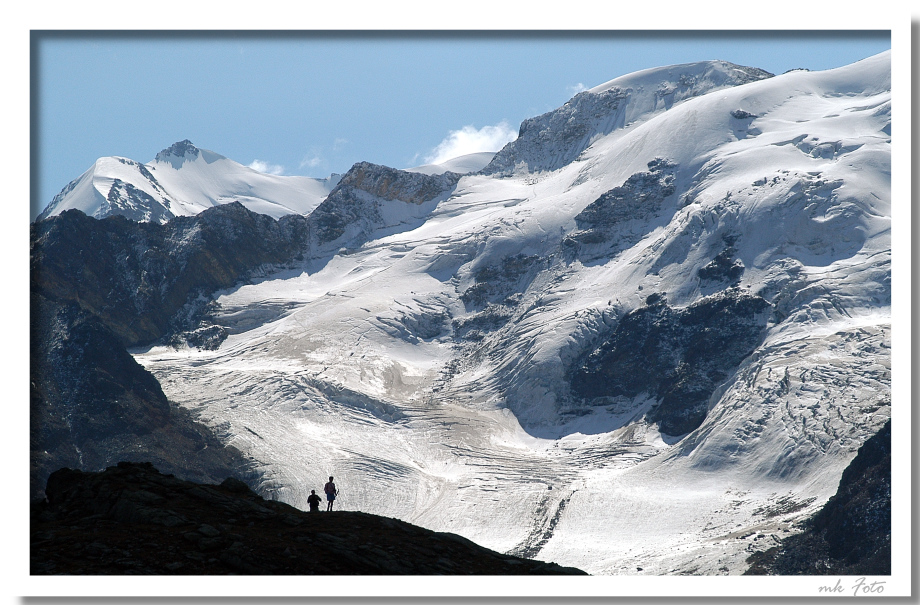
<point>184,180</point>
<point>430,370</point>
<point>464,164</point>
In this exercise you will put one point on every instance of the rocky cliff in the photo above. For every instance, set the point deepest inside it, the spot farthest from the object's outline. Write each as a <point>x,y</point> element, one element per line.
<point>91,404</point>
<point>99,286</point>
<point>851,535</point>
<point>370,199</point>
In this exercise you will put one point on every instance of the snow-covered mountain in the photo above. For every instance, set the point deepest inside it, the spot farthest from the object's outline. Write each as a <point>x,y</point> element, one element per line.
<point>556,138</point>
<point>646,338</point>
<point>181,181</point>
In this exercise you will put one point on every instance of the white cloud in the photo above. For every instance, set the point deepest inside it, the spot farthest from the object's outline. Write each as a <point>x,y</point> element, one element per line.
<point>574,90</point>
<point>267,168</point>
<point>339,144</point>
<point>311,162</point>
<point>470,140</point>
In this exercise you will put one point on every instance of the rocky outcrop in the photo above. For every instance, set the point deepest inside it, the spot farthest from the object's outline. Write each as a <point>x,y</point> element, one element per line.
<point>677,355</point>
<point>179,149</point>
<point>130,519</point>
<point>622,216</point>
<point>392,184</point>
<point>724,268</point>
<point>851,534</point>
<point>126,200</point>
<point>740,114</point>
<point>495,283</point>
<point>556,138</point>
<point>358,205</point>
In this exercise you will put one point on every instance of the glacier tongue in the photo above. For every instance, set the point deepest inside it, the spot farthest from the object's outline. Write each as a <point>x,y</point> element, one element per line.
<point>430,367</point>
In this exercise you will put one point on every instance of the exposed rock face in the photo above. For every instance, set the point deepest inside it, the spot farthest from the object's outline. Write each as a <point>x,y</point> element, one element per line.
<point>139,276</point>
<point>851,535</point>
<point>740,114</point>
<point>621,217</point>
<point>556,138</point>
<point>494,295</point>
<point>180,149</point>
<point>92,404</point>
<point>135,204</point>
<point>495,283</point>
<point>679,356</point>
<point>358,205</point>
<point>99,286</point>
<point>130,519</point>
<point>724,268</point>
<point>392,184</point>
<point>639,198</point>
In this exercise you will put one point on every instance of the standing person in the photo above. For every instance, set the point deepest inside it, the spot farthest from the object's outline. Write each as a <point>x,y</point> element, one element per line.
<point>331,493</point>
<point>313,500</point>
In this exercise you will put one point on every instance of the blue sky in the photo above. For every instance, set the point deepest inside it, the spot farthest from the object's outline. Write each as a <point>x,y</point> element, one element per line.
<point>315,103</point>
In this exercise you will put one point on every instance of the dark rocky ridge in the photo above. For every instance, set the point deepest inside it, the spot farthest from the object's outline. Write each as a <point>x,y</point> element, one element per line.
<point>677,355</point>
<point>91,404</point>
<point>638,198</point>
<point>495,283</point>
<point>851,534</point>
<point>724,267</point>
<point>130,519</point>
<point>99,286</point>
<point>145,280</point>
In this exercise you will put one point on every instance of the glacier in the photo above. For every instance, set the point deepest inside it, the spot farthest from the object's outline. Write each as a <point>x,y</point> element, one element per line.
<point>460,350</point>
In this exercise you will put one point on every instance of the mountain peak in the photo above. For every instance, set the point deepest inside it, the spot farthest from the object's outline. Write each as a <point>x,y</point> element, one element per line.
<point>184,180</point>
<point>180,149</point>
<point>556,138</point>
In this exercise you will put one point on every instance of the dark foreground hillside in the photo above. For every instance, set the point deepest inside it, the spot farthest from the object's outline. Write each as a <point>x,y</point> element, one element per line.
<point>130,519</point>
<point>851,535</point>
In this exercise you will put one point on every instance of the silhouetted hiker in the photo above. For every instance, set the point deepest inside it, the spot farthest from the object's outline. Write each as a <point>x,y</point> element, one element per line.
<point>331,493</point>
<point>313,500</point>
